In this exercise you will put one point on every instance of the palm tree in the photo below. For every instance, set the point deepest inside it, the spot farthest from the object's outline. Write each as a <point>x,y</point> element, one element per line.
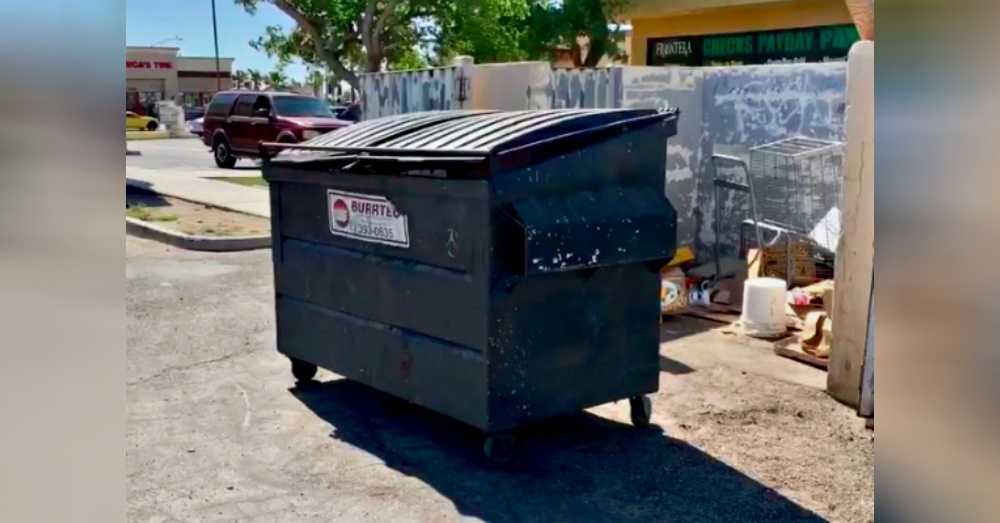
<point>315,80</point>
<point>240,78</point>
<point>277,80</point>
<point>255,78</point>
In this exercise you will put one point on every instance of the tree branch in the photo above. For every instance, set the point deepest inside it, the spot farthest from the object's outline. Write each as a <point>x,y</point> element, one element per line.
<point>323,53</point>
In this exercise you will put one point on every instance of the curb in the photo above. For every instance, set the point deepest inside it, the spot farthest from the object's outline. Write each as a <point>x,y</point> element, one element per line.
<point>147,135</point>
<point>195,243</point>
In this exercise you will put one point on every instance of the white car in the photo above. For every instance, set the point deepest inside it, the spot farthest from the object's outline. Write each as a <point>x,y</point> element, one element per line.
<point>195,126</point>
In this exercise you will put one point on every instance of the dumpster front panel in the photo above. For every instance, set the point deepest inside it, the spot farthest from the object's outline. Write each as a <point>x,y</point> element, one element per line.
<point>427,371</point>
<point>437,286</point>
<point>410,321</point>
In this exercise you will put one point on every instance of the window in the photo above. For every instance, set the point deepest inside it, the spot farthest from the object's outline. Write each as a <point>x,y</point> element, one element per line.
<point>244,106</point>
<point>261,103</point>
<point>301,106</point>
<point>220,104</point>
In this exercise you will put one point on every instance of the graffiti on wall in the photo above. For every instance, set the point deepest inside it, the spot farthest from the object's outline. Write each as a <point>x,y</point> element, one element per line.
<point>384,94</point>
<point>745,107</point>
<point>578,88</point>
<point>723,109</point>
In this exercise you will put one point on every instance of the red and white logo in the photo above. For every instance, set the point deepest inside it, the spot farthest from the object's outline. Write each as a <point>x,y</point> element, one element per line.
<point>341,214</point>
<point>367,217</point>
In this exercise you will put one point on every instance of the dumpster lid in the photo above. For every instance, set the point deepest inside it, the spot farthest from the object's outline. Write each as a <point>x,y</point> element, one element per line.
<point>466,135</point>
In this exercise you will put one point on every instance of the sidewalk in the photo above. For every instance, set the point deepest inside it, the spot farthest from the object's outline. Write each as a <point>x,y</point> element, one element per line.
<point>194,185</point>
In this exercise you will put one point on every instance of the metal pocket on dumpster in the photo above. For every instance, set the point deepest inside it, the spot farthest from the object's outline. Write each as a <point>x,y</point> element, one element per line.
<point>440,257</point>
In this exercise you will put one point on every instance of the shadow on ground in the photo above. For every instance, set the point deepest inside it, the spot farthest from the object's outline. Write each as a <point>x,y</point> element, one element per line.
<point>143,196</point>
<point>574,468</point>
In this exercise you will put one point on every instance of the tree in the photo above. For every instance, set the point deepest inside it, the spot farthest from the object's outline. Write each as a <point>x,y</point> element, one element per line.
<point>344,35</point>
<point>256,78</point>
<point>571,22</point>
<point>240,79</point>
<point>487,30</point>
<point>276,79</point>
<point>315,80</point>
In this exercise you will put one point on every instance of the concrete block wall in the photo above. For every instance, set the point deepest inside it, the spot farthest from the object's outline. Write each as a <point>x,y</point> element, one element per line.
<point>723,109</point>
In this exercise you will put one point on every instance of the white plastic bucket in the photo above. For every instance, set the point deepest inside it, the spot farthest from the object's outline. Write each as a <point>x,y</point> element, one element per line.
<point>764,307</point>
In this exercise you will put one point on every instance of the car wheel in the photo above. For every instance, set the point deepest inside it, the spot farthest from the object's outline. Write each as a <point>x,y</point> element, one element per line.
<point>151,126</point>
<point>223,155</point>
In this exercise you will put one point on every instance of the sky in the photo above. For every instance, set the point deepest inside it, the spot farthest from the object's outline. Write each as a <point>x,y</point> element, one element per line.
<point>149,22</point>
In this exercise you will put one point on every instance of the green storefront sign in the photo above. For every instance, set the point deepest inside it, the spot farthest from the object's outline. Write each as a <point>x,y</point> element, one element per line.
<point>808,44</point>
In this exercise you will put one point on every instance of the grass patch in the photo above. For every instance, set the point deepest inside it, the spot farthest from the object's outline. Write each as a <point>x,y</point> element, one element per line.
<point>146,214</point>
<point>246,181</point>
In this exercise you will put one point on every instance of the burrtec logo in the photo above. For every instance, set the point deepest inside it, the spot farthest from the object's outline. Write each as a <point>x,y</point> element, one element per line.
<point>341,214</point>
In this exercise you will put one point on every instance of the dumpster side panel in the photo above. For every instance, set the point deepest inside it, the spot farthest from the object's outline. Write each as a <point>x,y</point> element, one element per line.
<point>566,341</point>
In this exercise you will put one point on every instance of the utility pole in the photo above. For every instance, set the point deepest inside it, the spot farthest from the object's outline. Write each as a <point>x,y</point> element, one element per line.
<point>215,35</point>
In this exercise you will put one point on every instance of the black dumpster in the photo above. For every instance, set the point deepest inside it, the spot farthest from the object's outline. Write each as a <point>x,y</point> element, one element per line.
<point>497,267</point>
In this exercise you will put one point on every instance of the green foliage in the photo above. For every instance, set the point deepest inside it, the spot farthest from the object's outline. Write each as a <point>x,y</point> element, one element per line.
<point>144,213</point>
<point>277,80</point>
<point>487,30</point>
<point>551,24</point>
<point>348,36</point>
<point>240,79</point>
<point>409,58</point>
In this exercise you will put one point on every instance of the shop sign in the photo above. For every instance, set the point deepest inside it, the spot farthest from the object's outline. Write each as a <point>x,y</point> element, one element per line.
<point>146,64</point>
<point>810,44</point>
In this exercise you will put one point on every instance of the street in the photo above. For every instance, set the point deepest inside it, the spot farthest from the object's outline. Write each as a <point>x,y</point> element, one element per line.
<point>185,153</point>
<point>217,431</point>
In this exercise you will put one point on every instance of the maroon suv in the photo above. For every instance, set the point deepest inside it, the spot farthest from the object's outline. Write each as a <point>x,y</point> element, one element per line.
<point>236,121</point>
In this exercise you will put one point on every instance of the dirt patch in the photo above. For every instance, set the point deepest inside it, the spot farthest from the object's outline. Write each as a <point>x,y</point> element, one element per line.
<point>191,218</point>
<point>796,440</point>
<point>246,181</point>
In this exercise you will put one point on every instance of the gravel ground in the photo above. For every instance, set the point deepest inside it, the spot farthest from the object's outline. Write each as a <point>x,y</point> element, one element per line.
<point>216,430</point>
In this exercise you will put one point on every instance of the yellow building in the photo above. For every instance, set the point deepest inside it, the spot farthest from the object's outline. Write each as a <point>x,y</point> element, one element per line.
<point>734,32</point>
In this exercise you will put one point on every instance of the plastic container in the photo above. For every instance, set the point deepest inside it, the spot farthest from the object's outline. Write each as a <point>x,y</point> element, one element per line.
<point>764,307</point>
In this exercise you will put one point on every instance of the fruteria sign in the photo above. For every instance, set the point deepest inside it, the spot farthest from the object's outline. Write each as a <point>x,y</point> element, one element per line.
<point>808,44</point>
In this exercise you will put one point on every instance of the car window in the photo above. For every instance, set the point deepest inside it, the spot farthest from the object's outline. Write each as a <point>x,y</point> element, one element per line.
<point>220,104</point>
<point>244,106</point>
<point>301,106</point>
<point>262,102</point>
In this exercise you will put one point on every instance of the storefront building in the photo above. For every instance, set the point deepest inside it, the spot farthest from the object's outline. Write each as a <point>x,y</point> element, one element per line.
<point>158,73</point>
<point>739,32</point>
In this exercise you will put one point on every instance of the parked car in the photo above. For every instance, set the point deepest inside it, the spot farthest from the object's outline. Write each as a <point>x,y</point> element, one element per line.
<point>137,122</point>
<point>195,126</point>
<point>237,121</point>
<point>193,111</point>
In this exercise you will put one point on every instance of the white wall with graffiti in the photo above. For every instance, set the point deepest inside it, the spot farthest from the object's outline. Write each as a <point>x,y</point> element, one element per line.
<point>723,109</point>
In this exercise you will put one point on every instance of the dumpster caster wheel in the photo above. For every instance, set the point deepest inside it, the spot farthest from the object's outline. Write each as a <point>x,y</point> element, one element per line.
<point>641,409</point>
<point>303,370</point>
<point>499,447</point>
